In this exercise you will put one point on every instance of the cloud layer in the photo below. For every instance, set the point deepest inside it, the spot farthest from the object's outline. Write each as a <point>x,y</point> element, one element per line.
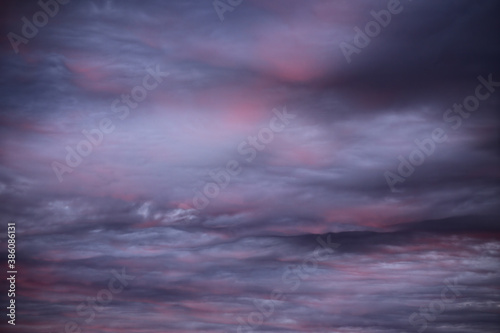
<point>155,143</point>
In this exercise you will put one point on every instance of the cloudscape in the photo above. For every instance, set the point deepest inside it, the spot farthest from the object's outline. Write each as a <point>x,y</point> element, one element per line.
<point>250,166</point>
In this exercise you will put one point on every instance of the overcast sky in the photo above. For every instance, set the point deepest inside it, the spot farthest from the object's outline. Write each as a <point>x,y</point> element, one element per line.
<point>218,153</point>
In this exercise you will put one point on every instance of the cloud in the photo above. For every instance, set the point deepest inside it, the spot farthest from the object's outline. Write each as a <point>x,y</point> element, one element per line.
<point>129,203</point>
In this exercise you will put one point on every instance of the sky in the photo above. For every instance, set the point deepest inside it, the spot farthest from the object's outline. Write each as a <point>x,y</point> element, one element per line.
<point>250,166</point>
